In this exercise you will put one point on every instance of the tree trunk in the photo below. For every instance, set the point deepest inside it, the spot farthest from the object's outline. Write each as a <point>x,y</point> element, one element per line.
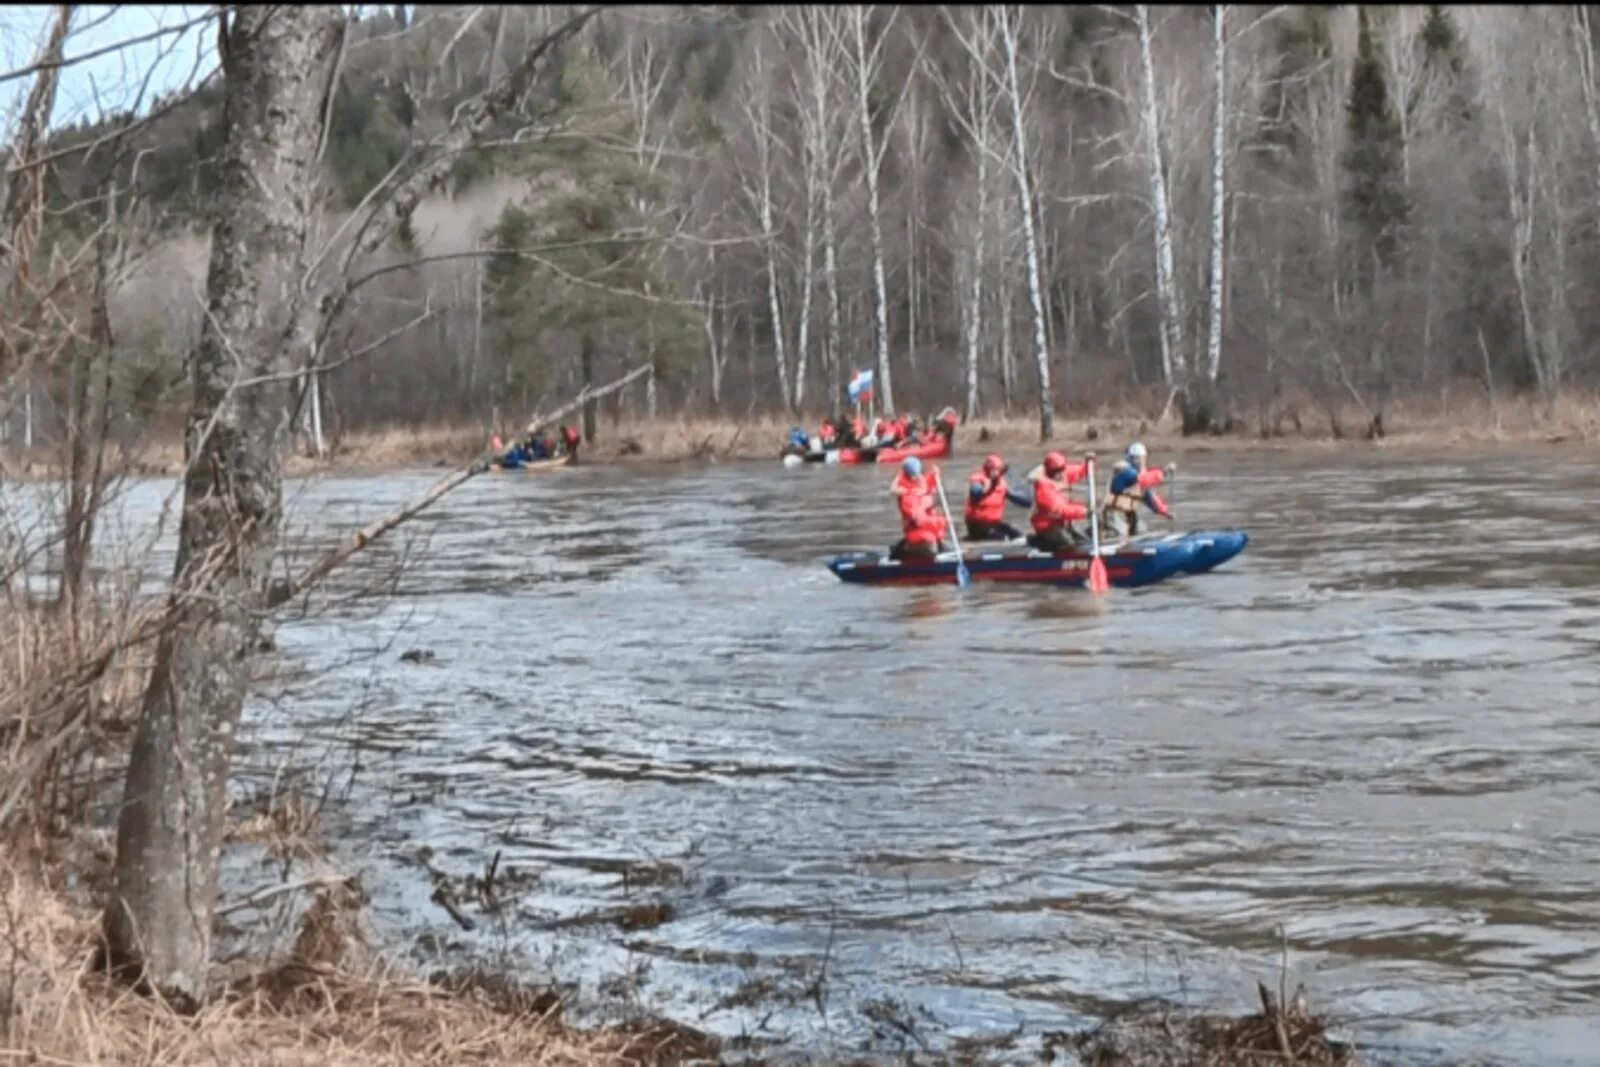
<point>277,64</point>
<point>1219,118</point>
<point>1172,360</point>
<point>883,386</point>
<point>830,273</point>
<point>1008,366</point>
<point>22,213</point>
<point>591,407</point>
<point>807,262</point>
<point>88,416</point>
<point>980,221</point>
<point>1030,244</point>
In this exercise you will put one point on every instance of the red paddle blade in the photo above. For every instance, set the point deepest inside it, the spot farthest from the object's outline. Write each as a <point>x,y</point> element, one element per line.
<point>1098,582</point>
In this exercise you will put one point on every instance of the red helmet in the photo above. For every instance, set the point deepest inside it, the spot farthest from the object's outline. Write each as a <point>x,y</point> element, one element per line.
<point>993,465</point>
<point>1055,463</point>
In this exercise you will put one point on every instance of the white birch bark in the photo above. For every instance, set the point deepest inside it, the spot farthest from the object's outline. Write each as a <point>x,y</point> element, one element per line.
<point>1219,120</point>
<point>980,223</point>
<point>1172,358</point>
<point>1008,20</point>
<point>866,62</point>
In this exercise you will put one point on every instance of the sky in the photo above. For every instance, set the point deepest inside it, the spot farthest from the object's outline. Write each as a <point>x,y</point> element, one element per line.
<point>109,82</point>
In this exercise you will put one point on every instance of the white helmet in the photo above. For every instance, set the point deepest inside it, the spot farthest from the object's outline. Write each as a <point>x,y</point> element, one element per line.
<point>1138,451</point>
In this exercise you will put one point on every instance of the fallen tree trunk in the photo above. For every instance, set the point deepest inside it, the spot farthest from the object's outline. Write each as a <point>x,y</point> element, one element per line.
<point>285,590</point>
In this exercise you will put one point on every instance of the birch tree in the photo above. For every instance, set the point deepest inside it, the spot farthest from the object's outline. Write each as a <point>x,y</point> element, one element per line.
<point>867,60</point>
<point>758,189</point>
<point>998,29</point>
<point>815,84</point>
<point>1172,352</point>
<point>1219,127</point>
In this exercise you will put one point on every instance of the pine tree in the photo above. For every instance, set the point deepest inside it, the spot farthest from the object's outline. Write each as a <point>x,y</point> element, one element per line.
<point>579,265</point>
<point>1375,191</point>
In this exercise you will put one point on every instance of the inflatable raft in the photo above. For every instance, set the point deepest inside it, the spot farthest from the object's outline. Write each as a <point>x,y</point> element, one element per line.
<point>532,465</point>
<point>1142,561</point>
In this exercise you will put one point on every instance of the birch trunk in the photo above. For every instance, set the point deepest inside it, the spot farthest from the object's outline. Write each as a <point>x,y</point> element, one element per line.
<point>1030,245</point>
<point>1586,79</point>
<point>883,385</point>
<point>980,222</point>
<point>1172,361</point>
<point>1008,366</point>
<point>1219,118</point>
<point>276,65</point>
<point>830,274</point>
<point>807,261</point>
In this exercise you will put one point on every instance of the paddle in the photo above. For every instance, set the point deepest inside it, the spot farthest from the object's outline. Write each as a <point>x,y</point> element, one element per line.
<point>963,579</point>
<point>1098,582</point>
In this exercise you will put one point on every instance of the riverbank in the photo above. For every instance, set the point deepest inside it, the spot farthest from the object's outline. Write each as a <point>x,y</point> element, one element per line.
<point>310,1008</point>
<point>1573,422</point>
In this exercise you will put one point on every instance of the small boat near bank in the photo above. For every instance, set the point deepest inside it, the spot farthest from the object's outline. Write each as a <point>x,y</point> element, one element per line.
<point>532,466</point>
<point>1140,562</point>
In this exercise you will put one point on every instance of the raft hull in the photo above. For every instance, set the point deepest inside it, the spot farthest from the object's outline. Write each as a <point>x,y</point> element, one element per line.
<point>938,448</point>
<point>1128,566</point>
<point>535,466</point>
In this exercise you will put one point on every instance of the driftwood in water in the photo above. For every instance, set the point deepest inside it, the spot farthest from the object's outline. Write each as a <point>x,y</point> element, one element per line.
<point>325,565</point>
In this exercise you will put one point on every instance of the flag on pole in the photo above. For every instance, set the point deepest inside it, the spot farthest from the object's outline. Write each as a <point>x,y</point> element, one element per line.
<point>861,387</point>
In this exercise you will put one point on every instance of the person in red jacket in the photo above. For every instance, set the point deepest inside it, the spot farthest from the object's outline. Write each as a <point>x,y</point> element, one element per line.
<point>987,493</point>
<point>921,521</point>
<point>1054,511</point>
<point>910,476</point>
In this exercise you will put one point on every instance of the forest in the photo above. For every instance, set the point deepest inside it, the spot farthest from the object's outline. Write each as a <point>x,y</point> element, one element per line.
<point>1257,214</point>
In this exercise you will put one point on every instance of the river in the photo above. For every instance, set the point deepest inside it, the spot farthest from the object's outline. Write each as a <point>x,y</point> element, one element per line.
<point>1370,742</point>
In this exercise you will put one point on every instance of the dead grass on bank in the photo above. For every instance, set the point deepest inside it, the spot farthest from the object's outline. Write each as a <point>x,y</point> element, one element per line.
<point>1462,418</point>
<point>54,1008</point>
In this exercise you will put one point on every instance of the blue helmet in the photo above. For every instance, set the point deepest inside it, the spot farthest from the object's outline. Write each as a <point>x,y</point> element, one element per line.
<point>912,466</point>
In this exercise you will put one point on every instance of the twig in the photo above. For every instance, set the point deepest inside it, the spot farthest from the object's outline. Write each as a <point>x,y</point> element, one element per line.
<point>271,892</point>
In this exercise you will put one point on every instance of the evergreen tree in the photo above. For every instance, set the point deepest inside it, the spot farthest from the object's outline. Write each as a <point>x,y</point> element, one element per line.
<point>1375,191</point>
<point>579,265</point>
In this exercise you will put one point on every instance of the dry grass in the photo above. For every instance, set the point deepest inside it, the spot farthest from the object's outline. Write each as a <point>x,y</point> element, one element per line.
<point>1455,419</point>
<point>55,1009</point>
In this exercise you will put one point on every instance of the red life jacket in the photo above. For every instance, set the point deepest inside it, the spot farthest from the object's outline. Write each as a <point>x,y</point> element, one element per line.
<point>921,521</point>
<point>991,506</point>
<point>902,486</point>
<point>828,433</point>
<point>569,435</point>
<point>859,427</point>
<point>1052,507</point>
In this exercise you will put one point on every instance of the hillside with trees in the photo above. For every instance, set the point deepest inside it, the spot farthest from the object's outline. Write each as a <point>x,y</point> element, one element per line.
<point>1266,216</point>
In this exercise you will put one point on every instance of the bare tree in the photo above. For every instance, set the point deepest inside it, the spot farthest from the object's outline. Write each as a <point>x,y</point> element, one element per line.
<point>867,60</point>
<point>1219,127</point>
<point>277,64</point>
<point>1172,352</point>
<point>758,188</point>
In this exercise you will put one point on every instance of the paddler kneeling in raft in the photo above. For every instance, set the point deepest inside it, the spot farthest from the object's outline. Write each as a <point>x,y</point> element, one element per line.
<point>1134,484</point>
<point>987,493</point>
<point>922,524</point>
<point>1054,511</point>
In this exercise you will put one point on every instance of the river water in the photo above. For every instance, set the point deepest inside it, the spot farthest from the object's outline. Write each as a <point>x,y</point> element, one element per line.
<point>1370,742</point>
